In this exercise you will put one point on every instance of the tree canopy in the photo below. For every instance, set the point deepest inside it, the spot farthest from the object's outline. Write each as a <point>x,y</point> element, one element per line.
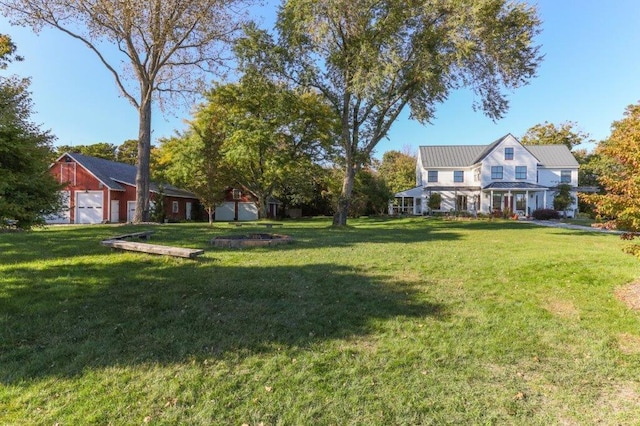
<point>551,134</point>
<point>371,59</point>
<point>162,48</point>
<point>28,191</point>
<point>621,153</point>
<point>398,169</point>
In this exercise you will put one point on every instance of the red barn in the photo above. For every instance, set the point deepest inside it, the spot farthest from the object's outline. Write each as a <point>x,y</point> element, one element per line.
<point>101,191</point>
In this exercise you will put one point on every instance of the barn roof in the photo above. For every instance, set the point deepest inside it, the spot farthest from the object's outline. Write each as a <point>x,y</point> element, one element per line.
<point>114,175</point>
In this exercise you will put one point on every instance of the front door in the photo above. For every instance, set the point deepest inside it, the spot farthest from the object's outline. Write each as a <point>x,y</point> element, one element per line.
<point>188,211</point>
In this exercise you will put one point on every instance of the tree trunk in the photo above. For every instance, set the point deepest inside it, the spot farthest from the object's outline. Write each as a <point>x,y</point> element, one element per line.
<point>144,153</point>
<point>342,209</point>
<point>210,211</point>
<point>262,208</point>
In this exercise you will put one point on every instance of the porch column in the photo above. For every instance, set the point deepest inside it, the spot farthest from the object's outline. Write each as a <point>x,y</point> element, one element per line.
<point>526,203</point>
<point>491,201</point>
<point>544,200</point>
<point>509,205</point>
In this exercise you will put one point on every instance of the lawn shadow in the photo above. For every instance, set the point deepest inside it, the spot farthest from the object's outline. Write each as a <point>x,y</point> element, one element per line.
<point>62,320</point>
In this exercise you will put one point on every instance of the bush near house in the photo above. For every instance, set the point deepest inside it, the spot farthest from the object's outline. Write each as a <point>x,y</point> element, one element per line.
<point>545,214</point>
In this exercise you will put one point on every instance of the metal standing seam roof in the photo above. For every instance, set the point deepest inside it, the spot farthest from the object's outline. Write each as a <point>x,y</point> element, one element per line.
<point>114,174</point>
<point>442,156</point>
<point>553,155</point>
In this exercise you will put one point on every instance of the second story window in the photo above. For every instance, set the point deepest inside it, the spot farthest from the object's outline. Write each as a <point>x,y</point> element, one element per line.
<point>508,153</point>
<point>458,176</point>
<point>432,176</point>
<point>565,176</point>
<point>496,172</point>
<point>521,172</point>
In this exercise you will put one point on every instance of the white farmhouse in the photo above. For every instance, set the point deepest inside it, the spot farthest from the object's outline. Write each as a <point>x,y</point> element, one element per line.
<point>504,176</point>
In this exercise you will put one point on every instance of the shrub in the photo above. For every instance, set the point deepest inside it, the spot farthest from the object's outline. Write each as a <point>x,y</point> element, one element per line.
<point>545,214</point>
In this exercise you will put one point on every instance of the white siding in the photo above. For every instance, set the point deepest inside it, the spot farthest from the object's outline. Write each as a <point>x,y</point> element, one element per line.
<point>521,157</point>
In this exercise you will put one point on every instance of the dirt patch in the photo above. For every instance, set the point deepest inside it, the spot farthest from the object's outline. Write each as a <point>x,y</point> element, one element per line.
<point>562,308</point>
<point>629,344</point>
<point>630,295</point>
<point>615,400</point>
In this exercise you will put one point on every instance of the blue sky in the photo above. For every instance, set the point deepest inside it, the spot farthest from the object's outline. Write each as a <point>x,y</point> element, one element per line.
<point>590,74</point>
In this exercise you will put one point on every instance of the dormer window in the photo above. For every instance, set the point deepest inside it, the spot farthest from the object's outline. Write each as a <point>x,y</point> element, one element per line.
<point>458,176</point>
<point>432,176</point>
<point>508,153</point>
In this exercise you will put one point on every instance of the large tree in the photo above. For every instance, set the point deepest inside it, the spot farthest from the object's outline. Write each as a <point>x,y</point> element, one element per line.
<point>621,154</point>
<point>271,132</point>
<point>28,191</point>
<point>370,59</point>
<point>162,48</point>
<point>194,160</point>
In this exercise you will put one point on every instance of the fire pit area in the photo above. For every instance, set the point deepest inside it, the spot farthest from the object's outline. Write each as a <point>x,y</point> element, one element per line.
<point>251,240</point>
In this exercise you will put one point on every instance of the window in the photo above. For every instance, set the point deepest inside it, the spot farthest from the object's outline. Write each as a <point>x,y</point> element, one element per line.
<point>458,176</point>
<point>432,176</point>
<point>521,172</point>
<point>496,172</point>
<point>508,153</point>
<point>236,194</point>
<point>521,202</point>
<point>565,176</point>
<point>174,207</point>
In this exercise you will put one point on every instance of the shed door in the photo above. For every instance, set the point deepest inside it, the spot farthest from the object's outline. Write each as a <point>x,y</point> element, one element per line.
<point>115,211</point>
<point>89,207</point>
<point>131,210</point>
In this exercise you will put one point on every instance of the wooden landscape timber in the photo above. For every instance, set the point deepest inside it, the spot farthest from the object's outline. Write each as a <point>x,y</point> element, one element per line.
<point>120,243</point>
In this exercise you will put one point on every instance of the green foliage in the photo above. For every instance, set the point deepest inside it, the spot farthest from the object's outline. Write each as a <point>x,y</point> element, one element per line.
<point>128,152</point>
<point>434,201</point>
<point>551,134</point>
<point>371,195</point>
<point>619,160</point>
<point>563,198</point>
<point>271,133</point>
<point>7,51</point>
<point>545,214</point>
<point>28,192</point>
<point>398,169</point>
<point>193,160</point>
<point>370,59</point>
<point>103,150</point>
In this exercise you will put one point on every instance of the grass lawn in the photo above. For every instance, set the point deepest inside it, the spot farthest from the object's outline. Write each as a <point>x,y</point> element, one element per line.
<point>406,321</point>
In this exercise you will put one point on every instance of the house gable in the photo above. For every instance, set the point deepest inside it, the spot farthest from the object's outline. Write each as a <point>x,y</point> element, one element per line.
<point>508,161</point>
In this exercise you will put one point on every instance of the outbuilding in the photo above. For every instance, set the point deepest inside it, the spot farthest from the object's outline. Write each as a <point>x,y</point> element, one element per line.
<point>102,191</point>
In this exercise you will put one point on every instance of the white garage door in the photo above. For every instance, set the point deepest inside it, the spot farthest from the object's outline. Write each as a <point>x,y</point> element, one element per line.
<point>225,211</point>
<point>247,211</point>
<point>63,216</point>
<point>89,207</point>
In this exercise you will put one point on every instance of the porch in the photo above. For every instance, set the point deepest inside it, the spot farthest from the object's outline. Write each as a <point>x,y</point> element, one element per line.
<point>519,198</point>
